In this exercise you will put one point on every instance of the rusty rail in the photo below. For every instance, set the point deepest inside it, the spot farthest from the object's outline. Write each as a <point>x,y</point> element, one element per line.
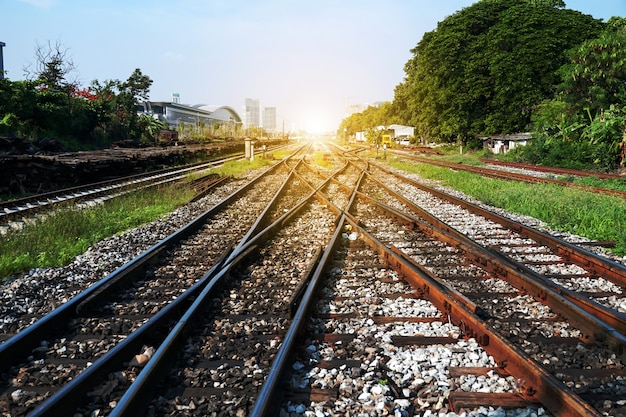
<point>494,173</point>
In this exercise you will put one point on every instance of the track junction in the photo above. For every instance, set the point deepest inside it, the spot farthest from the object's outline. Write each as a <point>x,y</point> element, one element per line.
<point>347,289</point>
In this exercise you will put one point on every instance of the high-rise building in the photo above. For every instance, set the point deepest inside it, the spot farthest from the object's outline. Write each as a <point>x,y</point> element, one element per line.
<point>251,113</point>
<point>269,119</point>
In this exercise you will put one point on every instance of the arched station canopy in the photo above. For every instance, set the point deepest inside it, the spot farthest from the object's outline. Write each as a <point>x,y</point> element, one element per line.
<point>175,113</point>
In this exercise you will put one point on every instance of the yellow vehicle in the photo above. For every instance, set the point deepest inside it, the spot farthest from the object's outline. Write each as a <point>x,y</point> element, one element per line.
<point>386,141</point>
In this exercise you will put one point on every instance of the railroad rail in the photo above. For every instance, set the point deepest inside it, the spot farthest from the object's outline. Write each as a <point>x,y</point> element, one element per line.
<point>356,290</point>
<point>506,175</point>
<point>554,170</point>
<point>135,293</point>
<point>28,207</point>
<point>527,256</point>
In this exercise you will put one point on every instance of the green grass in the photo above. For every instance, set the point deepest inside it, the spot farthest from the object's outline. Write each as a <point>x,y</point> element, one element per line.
<point>610,184</point>
<point>62,236</point>
<point>320,159</point>
<point>594,216</point>
<point>280,154</point>
<point>238,168</point>
<point>474,159</point>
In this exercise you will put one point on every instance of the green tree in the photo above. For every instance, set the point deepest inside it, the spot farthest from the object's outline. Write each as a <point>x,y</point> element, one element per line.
<point>595,77</point>
<point>130,93</point>
<point>52,67</point>
<point>101,104</point>
<point>484,68</point>
<point>589,110</point>
<point>48,104</point>
<point>151,127</point>
<point>371,117</point>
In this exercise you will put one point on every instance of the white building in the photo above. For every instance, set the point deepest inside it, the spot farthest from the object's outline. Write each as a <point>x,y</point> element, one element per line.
<point>175,114</point>
<point>400,132</point>
<point>395,132</point>
<point>504,143</point>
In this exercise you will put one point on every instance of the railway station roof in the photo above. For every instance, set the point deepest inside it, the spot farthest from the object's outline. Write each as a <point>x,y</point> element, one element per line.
<point>173,112</point>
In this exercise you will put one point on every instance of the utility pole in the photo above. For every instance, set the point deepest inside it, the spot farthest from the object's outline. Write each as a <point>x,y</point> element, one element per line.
<point>2,45</point>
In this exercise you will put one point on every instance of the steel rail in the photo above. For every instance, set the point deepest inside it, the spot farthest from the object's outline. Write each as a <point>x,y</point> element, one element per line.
<point>40,202</point>
<point>206,187</point>
<point>494,173</point>
<point>601,266</point>
<point>255,229</point>
<point>598,322</point>
<point>555,170</point>
<point>269,398</point>
<point>538,384</point>
<point>610,316</point>
<point>268,401</point>
<point>16,348</point>
<point>45,198</point>
<point>63,402</point>
<point>136,397</point>
<point>80,191</point>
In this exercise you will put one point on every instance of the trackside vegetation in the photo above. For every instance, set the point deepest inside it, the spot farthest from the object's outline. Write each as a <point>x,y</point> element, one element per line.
<point>451,154</point>
<point>501,67</point>
<point>585,214</point>
<point>61,236</point>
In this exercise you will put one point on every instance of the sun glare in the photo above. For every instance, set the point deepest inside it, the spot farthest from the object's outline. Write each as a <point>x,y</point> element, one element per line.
<point>315,119</point>
<point>316,124</point>
<point>314,127</point>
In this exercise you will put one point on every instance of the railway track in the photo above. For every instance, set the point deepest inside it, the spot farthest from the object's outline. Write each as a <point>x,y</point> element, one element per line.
<point>344,296</point>
<point>500,295</point>
<point>508,175</point>
<point>15,212</point>
<point>545,330</point>
<point>101,318</point>
<point>553,170</point>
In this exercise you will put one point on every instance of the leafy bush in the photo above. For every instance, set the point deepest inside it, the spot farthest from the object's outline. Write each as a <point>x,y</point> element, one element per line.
<point>565,154</point>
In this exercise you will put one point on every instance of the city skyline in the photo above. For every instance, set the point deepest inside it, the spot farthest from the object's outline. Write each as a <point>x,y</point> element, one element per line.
<point>309,59</point>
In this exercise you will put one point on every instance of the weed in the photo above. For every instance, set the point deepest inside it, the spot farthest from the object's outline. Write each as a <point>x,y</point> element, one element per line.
<point>594,216</point>
<point>67,233</point>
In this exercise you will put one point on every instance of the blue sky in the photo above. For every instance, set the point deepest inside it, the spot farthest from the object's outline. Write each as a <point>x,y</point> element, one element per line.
<point>307,58</point>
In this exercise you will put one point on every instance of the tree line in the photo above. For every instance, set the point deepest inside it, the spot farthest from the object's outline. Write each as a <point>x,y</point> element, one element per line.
<point>49,105</point>
<point>509,66</point>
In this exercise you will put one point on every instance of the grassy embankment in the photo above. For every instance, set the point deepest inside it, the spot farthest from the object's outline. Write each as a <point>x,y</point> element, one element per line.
<point>62,236</point>
<point>594,216</point>
<point>611,184</point>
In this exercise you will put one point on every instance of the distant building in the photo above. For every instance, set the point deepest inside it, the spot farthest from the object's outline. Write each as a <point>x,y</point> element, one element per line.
<point>355,108</point>
<point>269,119</point>
<point>251,113</point>
<point>504,143</point>
<point>400,132</point>
<point>391,133</point>
<point>199,115</point>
